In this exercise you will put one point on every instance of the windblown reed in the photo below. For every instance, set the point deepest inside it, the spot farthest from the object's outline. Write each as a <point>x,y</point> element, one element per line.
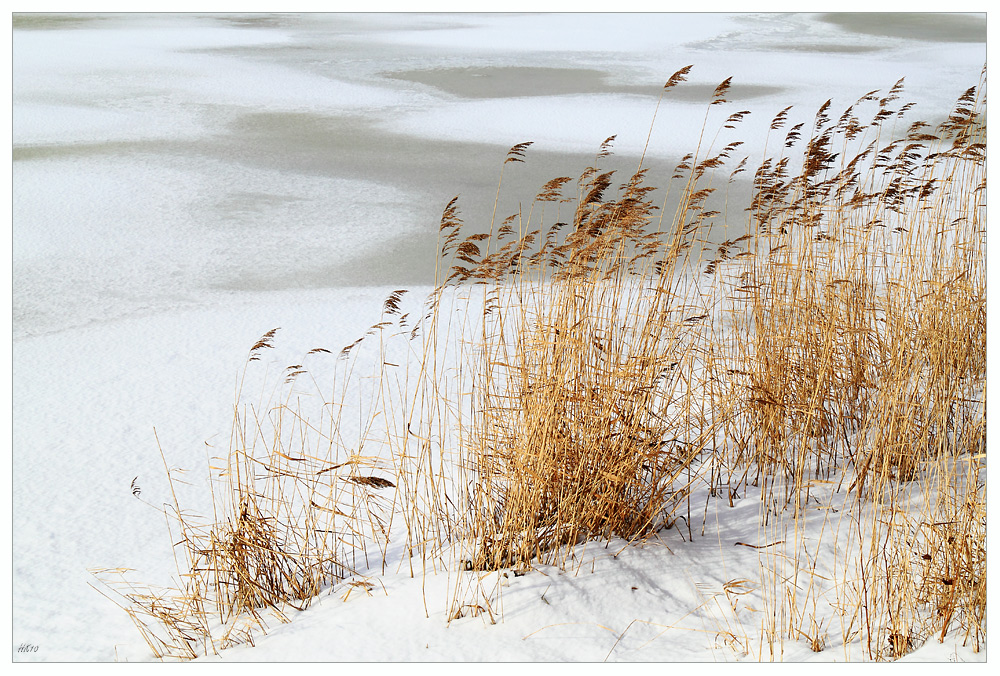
<point>607,368</point>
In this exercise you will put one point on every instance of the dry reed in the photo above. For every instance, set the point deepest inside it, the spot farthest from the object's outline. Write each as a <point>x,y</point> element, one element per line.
<point>607,366</point>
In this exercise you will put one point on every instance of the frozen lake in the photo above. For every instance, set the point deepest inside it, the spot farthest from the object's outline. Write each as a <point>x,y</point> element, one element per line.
<point>168,161</point>
<point>183,183</point>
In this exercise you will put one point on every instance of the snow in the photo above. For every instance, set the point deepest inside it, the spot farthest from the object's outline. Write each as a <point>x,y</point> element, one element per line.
<point>583,32</point>
<point>764,50</point>
<point>148,256</point>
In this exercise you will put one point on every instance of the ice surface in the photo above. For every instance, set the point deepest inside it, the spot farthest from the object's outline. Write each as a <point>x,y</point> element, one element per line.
<point>142,123</point>
<point>177,191</point>
<point>583,32</point>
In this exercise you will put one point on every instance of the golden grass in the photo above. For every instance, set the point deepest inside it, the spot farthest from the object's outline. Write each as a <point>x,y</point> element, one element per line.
<point>606,366</point>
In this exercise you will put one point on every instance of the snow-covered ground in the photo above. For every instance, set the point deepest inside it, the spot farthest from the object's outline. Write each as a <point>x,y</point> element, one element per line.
<point>182,184</point>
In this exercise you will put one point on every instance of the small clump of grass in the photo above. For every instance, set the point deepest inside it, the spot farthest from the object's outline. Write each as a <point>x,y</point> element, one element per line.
<point>296,512</point>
